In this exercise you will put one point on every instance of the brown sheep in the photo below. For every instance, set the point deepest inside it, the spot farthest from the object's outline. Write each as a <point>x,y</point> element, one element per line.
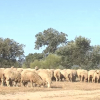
<point>96,76</point>
<point>46,76</point>
<point>64,75</point>
<point>33,77</point>
<point>1,74</point>
<point>57,74</point>
<point>90,75</point>
<point>84,76</point>
<point>11,76</point>
<point>72,74</point>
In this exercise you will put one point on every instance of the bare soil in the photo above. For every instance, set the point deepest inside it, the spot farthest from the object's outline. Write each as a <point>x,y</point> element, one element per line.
<point>58,91</point>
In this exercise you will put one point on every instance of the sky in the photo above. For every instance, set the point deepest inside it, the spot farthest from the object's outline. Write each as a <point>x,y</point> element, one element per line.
<point>21,20</point>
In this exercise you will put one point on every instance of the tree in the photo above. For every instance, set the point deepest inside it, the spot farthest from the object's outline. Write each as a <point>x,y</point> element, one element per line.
<point>31,58</point>
<point>35,63</point>
<point>82,47</point>
<point>74,53</point>
<point>94,57</point>
<point>51,39</point>
<point>10,52</point>
<point>51,61</point>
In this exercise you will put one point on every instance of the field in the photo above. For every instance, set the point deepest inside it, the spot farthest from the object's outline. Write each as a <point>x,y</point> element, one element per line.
<point>58,91</point>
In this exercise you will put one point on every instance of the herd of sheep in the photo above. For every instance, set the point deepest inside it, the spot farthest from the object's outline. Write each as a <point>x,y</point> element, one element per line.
<point>44,77</point>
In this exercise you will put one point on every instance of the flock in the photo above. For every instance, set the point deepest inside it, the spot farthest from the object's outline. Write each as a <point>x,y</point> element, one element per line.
<point>44,77</point>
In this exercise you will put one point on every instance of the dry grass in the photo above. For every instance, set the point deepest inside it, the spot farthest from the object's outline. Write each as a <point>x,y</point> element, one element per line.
<point>54,87</point>
<point>69,90</point>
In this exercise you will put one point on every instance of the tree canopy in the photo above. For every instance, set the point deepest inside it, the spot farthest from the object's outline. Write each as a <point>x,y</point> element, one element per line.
<point>80,52</point>
<point>77,52</point>
<point>58,52</point>
<point>50,38</point>
<point>11,52</point>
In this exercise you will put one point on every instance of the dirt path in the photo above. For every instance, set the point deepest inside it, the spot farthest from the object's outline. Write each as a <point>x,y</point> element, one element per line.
<point>54,95</point>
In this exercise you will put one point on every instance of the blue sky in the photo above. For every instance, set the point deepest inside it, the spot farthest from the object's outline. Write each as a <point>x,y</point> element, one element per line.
<point>21,20</point>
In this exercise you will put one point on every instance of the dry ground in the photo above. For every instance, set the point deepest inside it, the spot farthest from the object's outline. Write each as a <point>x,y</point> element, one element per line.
<point>58,91</point>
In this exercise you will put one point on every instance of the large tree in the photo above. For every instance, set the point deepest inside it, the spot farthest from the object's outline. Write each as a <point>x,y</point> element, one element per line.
<point>74,53</point>
<point>11,52</point>
<point>51,39</point>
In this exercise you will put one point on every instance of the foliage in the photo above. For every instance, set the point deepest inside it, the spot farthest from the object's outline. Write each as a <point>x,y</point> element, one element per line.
<point>35,63</point>
<point>32,57</point>
<point>50,38</point>
<point>74,53</point>
<point>11,53</point>
<point>94,57</point>
<point>77,52</point>
<point>51,61</point>
<point>58,52</point>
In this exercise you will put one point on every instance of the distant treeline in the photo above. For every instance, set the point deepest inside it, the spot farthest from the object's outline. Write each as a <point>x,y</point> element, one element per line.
<point>58,52</point>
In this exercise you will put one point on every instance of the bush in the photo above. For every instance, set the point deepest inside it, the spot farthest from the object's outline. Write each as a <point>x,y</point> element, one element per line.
<point>51,61</point>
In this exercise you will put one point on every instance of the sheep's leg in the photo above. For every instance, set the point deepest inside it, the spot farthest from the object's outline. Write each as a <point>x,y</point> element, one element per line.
<point>7,82</point>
